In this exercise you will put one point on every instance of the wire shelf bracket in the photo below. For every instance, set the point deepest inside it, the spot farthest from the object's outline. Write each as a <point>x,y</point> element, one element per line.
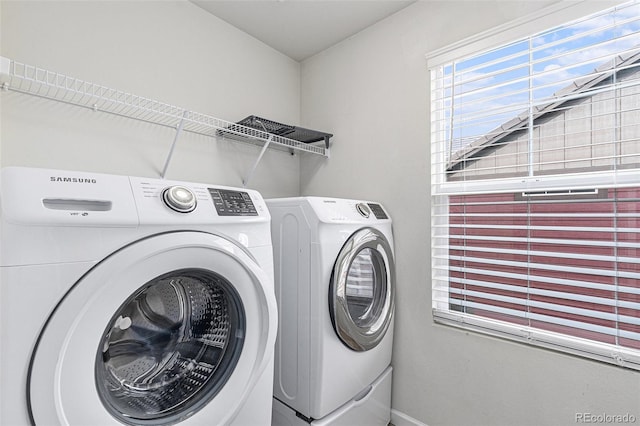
<point>35,81</point>
<point>246,180</point>
<point>173,145</point>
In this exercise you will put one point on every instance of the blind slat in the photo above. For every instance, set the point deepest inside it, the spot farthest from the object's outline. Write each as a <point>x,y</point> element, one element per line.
<point>551,307</point>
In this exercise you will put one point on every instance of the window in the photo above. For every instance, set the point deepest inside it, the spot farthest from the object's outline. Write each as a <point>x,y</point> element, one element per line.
<point>536,185</point>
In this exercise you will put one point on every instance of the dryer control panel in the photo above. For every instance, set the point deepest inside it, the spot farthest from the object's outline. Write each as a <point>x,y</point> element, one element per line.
<point>339,210</point>
<point>378,211</point>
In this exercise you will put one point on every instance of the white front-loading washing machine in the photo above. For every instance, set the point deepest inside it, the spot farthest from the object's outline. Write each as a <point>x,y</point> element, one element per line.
<point>335,286</point>
<point>133,301</point>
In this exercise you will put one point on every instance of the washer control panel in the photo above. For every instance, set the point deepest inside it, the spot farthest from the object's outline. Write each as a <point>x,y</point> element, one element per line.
<point>232,203</point>
<point>160,201</point>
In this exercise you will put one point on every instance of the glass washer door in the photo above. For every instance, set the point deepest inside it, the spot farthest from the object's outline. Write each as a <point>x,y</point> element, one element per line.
<point>170,347</point>
<point>143,337</point>
<point>362,290</point>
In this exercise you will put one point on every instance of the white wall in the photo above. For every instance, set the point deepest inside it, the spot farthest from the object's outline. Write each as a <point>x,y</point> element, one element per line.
<point>171,51</point>
<point>371,92</point>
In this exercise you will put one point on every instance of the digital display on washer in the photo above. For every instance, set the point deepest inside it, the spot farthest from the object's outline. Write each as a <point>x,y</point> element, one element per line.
<point>232,203</point>
<point>377,211</point>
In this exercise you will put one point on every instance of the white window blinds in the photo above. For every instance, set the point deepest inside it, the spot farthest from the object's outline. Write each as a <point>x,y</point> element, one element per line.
<point>536,188</point>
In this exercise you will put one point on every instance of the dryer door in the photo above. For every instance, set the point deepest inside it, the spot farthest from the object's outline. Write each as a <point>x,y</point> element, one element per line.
<point>362,290</point>
<point>175,328</point>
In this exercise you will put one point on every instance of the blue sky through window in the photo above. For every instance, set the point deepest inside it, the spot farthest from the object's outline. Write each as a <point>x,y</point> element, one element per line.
<point>496,86</point>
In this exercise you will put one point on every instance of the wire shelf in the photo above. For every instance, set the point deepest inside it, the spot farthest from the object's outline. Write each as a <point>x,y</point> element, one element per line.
<point>28,79</point>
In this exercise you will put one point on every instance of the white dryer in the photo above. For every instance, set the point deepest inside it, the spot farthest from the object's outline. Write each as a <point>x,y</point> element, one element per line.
<point>335,286</point>
<point>133,301</point>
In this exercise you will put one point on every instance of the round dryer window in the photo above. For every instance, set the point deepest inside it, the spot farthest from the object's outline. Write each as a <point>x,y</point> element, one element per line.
<point>170,347</point>
<point>365,287</point>
<point>362,290</point>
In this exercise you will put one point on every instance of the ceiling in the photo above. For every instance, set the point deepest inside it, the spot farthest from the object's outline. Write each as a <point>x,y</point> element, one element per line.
<point>302,28</point>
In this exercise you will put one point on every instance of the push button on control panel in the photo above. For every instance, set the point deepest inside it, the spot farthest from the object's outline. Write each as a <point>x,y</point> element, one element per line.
<point>232,203</point>
<point>179,198</point>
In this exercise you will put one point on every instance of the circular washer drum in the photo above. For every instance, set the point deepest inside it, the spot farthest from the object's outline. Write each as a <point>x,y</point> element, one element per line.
<point>170,347</point>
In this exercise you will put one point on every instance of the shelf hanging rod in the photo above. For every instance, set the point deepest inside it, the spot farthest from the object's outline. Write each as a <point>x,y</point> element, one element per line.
<point>173,144</point>
<point>245,181</point>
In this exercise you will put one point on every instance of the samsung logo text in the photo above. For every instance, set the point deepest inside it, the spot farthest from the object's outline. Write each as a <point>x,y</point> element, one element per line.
<point>72,179</point>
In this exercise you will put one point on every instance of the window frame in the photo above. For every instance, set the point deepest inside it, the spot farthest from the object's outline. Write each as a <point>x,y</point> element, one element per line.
<point>440,189</point>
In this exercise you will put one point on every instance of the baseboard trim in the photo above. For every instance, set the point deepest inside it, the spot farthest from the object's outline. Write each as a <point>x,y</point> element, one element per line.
<point>401,419</point>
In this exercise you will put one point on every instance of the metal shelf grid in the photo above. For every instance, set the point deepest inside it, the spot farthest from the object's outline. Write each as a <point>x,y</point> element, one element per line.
<point>28,79</point>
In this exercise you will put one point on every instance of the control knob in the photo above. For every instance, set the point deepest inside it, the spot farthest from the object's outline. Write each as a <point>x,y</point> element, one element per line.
<point>363,209</point>
<point>179,198</point>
